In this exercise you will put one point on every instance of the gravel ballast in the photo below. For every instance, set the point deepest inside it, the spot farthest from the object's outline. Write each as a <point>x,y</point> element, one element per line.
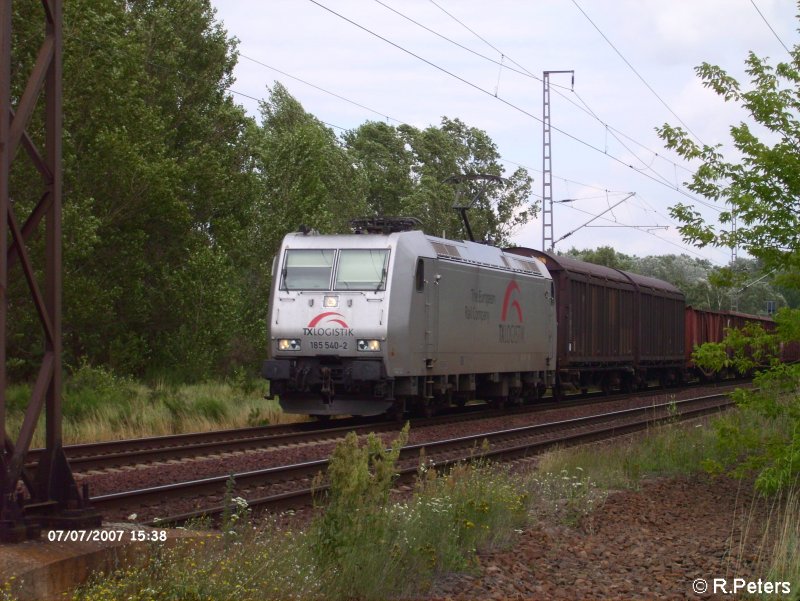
<point>657,542</point>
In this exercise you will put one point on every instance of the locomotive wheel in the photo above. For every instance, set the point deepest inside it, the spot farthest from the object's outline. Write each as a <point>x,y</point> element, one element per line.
<point>395,413</point>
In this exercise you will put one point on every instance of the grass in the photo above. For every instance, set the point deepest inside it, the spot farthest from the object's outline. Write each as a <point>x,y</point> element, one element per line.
<point>98,405</point>
<point>782,560</point>
<point>671,450</point>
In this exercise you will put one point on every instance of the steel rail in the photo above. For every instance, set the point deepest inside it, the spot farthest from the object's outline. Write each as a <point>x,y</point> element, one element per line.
<point>616,423</point>
<point>102,455</point>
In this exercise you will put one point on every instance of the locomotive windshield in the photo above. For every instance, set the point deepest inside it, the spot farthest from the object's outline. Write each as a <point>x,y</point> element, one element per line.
<point>308,269</point>
<point>362,269</point>
<point>357,269</point>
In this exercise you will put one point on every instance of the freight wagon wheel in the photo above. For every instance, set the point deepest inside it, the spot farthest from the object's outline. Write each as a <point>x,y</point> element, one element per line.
<point>627,384</point>
<point>499,402</point>
<point>424,408</point>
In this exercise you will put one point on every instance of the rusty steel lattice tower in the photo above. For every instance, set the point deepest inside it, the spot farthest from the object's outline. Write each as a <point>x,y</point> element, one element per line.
<point>48,496</point>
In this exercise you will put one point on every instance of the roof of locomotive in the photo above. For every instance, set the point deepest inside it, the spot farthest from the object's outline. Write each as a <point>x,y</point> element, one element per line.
<point>559,262</point>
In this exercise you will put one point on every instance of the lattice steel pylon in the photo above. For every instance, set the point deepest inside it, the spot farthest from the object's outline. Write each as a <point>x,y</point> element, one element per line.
<point>547,166</point>
<point>48,497</point>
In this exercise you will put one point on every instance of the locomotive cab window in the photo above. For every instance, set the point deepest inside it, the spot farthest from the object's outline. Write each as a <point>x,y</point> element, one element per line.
<point>419,276</point>
<point>307,269</point>
<point>362,269</point>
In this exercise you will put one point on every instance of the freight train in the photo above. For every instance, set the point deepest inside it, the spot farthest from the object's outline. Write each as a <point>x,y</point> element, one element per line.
<point>389,319</point>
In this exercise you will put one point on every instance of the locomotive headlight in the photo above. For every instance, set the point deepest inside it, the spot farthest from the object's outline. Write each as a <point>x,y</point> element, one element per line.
<point>330,302</point>
<point>370,346</point>
<point>288,344</point>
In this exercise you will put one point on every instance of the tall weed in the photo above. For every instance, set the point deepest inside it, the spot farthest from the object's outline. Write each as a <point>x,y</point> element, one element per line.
<point>99,405</point>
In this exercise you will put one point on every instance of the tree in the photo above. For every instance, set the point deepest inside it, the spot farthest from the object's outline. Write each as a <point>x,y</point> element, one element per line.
<point>307,176</point>
<point>158,185</point>
<point>386,162</point>
<point>761,190</point>
<point>408,168</point>
<point>604,255</point>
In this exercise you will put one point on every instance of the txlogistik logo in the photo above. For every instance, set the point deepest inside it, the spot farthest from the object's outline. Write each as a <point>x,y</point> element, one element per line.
<point>511,329</point>
<point>321,325</point>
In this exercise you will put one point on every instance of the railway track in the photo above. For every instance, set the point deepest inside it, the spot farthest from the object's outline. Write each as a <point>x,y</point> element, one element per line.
<point>289,486</point>
<point>120,453</point>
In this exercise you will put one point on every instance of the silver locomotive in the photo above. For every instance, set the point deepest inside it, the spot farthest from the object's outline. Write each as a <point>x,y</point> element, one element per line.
<point>388,318</point>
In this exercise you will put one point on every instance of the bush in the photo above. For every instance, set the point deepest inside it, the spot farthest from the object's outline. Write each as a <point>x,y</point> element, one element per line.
<point>90,388</point>
<point>366,547</point>
<point>772,452</point>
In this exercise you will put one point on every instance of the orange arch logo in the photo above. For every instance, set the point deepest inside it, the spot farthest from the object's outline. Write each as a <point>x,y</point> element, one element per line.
<point>510,301</point>
<point>329,317</point>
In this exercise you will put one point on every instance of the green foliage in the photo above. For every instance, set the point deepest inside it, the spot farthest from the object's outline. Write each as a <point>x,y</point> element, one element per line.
<point>309,177</point>
<point>212,409</point>
<point>17,397</point>
<point>772,453</point>
<point>175,201</point>
<point>366,547</point>
<point>157,187</point>
<point>91,388</point>
<point>604,255</point>
<point>673,449</point>
<point>783,559</point>
<point>400,546</point>
<point>761,188</point>
<point>354,527</point>
<point>568,495</point>
<point>712,357</point>
<point>406,169</point>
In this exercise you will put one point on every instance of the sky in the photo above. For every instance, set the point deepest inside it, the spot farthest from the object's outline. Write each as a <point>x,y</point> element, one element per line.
<point>416,61</point>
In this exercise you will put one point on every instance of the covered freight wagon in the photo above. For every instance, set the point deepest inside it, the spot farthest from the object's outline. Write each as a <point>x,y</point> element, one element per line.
<point>615,329</point>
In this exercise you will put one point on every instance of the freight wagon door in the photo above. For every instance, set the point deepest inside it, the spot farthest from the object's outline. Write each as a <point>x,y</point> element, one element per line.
<point>431,308</point>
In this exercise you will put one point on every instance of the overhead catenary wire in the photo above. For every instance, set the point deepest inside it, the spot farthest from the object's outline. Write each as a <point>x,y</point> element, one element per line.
<point>632,68</point>
<point>527,73</point>
<point>644,229</point>
<point>775,33</point>
<point>400,121</point>
<point>524,73</point>
<point>513,106</point>
<point>262,100</point>
<point>353,102</point>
